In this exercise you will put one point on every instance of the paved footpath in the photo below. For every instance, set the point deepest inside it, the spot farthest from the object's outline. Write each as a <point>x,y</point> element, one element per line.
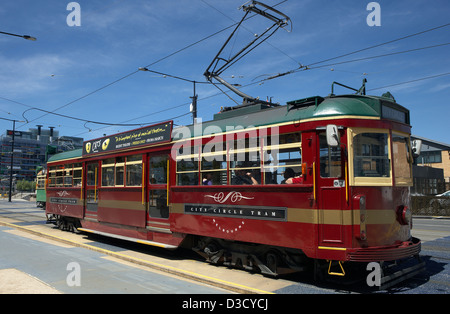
<point>29,264</point>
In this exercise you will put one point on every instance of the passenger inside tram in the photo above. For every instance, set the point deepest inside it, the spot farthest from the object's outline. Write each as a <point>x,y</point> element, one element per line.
<point>290,178</point>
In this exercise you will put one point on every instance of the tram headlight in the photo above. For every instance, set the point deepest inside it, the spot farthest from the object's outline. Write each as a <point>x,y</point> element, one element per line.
<point>404,215</point>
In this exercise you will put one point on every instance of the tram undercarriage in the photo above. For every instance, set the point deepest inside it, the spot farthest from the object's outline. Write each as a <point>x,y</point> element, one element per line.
<point>64,223</point>
<point>269,260</point>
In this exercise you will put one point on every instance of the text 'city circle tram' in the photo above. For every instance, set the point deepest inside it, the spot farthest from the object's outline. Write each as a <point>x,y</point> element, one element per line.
<point>320,183</point>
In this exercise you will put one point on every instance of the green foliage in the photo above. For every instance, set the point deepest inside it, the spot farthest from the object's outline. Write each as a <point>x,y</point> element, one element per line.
<point>24,185</point>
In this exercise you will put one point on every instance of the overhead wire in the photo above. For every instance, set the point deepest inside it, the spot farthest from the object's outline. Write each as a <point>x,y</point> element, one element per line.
<point>311,65</point>
<point>411,81</point>
<point>259,82</point>
<point>381,44</point>
<point>132,73</point>
<point>305,68</point>
<point>125,77</point>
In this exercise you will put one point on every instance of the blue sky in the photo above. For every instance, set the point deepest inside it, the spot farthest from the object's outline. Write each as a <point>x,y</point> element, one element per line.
<point>90,71</point>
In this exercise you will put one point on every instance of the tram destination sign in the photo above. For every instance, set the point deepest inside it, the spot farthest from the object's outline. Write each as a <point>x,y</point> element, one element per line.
<point>150,135</point>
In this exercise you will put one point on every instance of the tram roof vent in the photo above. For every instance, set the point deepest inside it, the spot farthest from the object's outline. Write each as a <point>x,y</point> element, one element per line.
<point>230,112</point>
<point>305,102</point>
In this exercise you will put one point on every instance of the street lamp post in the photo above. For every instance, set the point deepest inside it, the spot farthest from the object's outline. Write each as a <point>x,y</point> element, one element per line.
<point>23,36</point>
<point>194,98</point>
<point>12,155</point>
<point>12,162</point>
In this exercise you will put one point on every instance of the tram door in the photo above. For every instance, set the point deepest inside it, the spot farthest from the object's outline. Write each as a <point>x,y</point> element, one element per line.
<point>158,190</point>
<point>330,190</point>
<point>92,179</point>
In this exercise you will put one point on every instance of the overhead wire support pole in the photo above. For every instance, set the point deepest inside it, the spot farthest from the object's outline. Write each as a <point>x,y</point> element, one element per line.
<point>194,106</point>
<point>12,156</point>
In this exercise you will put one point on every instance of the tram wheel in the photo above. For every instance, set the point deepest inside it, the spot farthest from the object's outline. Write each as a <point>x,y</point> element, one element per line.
<point>272,261</point>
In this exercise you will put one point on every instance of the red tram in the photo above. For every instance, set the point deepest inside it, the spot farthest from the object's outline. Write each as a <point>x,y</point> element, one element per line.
<point>219,187</point>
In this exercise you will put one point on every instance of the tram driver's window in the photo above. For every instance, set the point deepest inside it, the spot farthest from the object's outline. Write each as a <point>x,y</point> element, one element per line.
<point>330,159</point>
<point>371,155</point>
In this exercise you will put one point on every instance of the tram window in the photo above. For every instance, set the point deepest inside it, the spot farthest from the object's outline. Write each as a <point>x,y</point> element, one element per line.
<point>371,155</point>
<point>68,175</point>
<point>158,170</point>
<point>40,181</point>
<point>401,158</point>
<point>120,166</point>
<point>92,174</point>
<point>214,168</point>
<point>60,176</point>
<point>157,207</point>
<point>77,175</point>
<point>184,179</point>
<point>134,170</point>
<point>330,159</point>
<point>279,157</point>
<point>245,167</point>
<point>52,177</point>
<point>108,172</point>
<point>187,167</point>
<point>245,161</point>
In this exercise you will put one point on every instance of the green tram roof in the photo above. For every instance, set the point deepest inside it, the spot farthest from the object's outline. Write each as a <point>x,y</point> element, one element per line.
<point>297,110</point>
<point>76,153</point>
<point>304,109</point>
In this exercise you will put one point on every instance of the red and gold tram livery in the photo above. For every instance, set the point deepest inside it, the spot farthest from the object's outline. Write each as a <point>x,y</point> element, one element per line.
<point>219,187</point>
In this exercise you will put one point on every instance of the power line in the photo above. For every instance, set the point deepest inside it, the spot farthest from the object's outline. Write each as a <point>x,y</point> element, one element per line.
<point>305,68</point>
<point>134,72</point>
<point>382,44</point>
<point>382,55</point>
<point>62,115</point>
<point>412,81</point>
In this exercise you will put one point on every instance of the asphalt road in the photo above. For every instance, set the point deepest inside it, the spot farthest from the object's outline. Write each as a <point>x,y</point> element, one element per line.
<point>30,263</point>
